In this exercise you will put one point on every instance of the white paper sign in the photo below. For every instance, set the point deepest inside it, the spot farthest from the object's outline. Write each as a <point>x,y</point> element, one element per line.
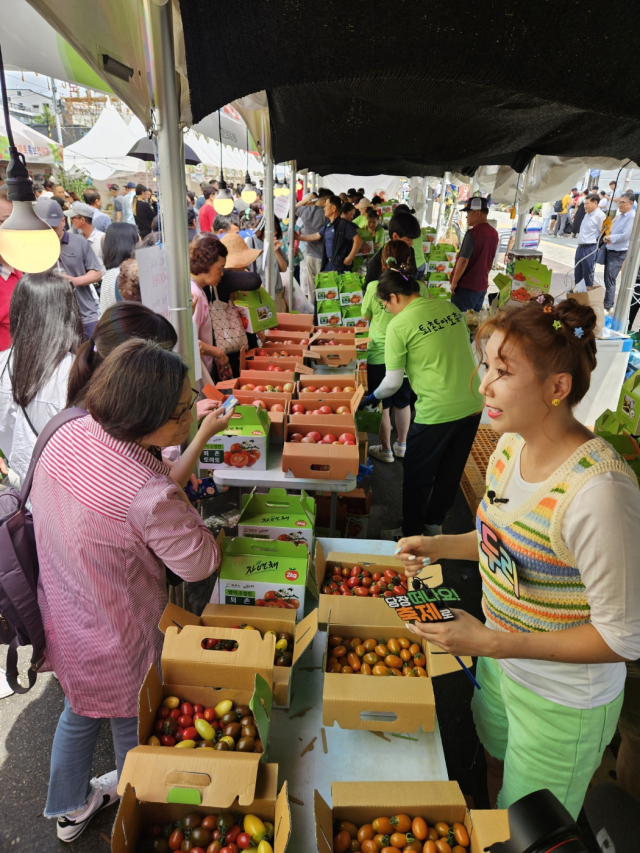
<point>281,206</point>
<point>154,279</point>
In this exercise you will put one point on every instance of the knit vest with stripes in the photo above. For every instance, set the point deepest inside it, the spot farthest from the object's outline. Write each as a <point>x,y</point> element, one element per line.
<point>530,581</point>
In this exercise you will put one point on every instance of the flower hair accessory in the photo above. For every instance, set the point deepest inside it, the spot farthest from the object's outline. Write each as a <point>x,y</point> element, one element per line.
<point>540,299</point>
<point>391,260</point>
<point>578,331</point>
<point>557,324</point>
<point>547,309</point>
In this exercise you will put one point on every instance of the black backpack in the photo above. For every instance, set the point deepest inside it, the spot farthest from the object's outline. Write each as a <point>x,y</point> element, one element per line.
<point>20,619</point>
<point>557,207</point>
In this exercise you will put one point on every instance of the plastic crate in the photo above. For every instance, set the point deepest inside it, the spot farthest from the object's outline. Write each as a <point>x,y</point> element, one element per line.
<point>474,477</point>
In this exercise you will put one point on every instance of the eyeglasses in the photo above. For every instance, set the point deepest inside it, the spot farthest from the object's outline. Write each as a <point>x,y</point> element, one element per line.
<point>179,417</point>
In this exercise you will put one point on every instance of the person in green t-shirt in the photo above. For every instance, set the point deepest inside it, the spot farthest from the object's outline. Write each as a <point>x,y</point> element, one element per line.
<point>428,339</point>
<point>395,255</point>
<point>373,237</point>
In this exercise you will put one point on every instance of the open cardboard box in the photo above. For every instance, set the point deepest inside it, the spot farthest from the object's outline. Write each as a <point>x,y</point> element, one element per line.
<point>269,619</point>
<point>279,337</point>
<point>278,515</point>
<point>160,788</point>
<point>345,337</point>
<point>295,322</point>
<point>253,363</point>
<point>363,802</point>
<point>355,702</point>
<point>349,382</point>
<point>333,356</point>
<point>320,461</point>
<point>333,423</point>
<point>261,573</point>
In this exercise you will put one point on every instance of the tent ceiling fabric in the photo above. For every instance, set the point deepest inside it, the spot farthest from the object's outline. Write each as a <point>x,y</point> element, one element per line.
<point>419,87</point>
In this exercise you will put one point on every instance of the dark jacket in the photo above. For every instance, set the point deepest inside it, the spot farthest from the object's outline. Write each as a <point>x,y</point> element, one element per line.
<point>342,245</point>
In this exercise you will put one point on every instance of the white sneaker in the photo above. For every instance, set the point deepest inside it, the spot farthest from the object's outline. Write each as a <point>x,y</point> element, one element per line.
<point>380,454</point>
<point>399,449</point>
<point>433,529</point>
<point>392,535</point>
<point>103,794</point>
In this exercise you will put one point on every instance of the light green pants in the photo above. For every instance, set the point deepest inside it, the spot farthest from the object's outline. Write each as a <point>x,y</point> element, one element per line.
<point>542,744</point>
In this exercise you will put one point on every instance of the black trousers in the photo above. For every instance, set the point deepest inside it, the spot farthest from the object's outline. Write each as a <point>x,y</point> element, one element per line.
<point>433,464</point>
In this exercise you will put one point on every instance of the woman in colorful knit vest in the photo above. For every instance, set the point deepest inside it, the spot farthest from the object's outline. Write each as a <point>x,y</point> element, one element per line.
<point>558,541</point>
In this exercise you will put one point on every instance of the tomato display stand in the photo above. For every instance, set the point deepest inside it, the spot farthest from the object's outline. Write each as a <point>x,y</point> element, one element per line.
<point>274,477</point>
<point>351,756</point>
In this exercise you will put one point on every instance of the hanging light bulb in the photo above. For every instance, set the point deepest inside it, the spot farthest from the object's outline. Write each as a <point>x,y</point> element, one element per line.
<point>223,203</point>
<point>299,185</point>
<point>26,242</point>
<point>248,194</point>
<point>277,189</point>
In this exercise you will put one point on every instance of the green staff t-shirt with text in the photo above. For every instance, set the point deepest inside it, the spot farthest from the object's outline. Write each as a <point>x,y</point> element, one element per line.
<point>373,310</point>
<point>430,341</point>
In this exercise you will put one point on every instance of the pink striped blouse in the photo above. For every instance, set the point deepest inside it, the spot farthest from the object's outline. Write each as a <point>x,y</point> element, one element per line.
<point>107,519</point>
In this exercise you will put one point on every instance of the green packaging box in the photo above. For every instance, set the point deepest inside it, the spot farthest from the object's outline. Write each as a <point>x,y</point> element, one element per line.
<point>257,310</point>
<point>243,445</point>
<point>278,515</point>
<point>629,404</point>
<point>530,279</point>
<point>329,313</point>
<point>263,573</point>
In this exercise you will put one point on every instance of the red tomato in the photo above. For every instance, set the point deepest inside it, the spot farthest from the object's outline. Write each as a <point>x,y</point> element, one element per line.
<point>168,740</point>
<point>244,840</point>
<point>390,574</point>
<point>163,712</point>
<point>233,834</point>
<point>361,591</point>
<point>399,590</point>
<point>185,721</point>
<point>175,713</point>
<point>353,582</point>
<point>329,438</point>
<point>308,440</point>
<point>355,571</point>
<point>314,435</point>
<point>326,410</point>
<point>198,709</point>
<point>239,459</point>
<point>198,717</point>
<point>345,572</point>
<point>296,436</point>
<point>186,709</point>
<point>190,733</point>
<point>298,409</point>
<point>374,589</point>
<point>376,576</point>
<point>158,726</point>
<point>366,582</point>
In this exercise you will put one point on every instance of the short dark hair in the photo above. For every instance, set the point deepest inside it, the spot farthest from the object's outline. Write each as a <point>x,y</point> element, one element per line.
<point>48,184</point>
<point>335,200</point>
<point>91,196</point>
<point>114,187</point>
<point>120,241</point>
<point>593,197</point>
<point>38,188</point>
<point>630,195</point>
<point>224,222</point>
<point>351,191</point>
<point>324,193</point>
<point>602,193</point>
<point>208,191</point>
<point>347,207</point>
<point>120,322</point>
<point>136,389</point>
<point>204,252</point>
<point>404,225</point>
<point>376,200</point>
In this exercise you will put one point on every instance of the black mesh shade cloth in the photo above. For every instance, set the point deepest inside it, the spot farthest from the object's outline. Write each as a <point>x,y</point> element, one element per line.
<point>416,87</point>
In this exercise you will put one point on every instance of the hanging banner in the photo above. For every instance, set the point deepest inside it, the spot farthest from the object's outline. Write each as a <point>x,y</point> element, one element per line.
<point>154,279</point>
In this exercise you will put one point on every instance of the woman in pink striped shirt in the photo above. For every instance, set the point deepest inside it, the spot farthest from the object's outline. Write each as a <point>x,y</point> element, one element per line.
<point>107,519</point>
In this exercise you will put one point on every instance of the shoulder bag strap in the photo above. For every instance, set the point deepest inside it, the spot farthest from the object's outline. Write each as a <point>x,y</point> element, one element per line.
<point>28,420</point>
<point>52,427</point>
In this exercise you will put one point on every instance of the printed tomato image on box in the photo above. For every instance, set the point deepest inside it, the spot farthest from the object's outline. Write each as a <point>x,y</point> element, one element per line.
<point>243,445</point>
<point>277,515</point>
<point>263,573</point>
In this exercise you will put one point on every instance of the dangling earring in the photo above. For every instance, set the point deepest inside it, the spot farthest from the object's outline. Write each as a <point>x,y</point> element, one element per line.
<point>555,402</point>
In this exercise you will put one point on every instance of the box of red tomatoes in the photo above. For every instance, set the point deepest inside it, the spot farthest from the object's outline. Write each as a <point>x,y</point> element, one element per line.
<point>185,798</point>
<point>243,444</point>
<point>263,573</point>
<point>427,811</point>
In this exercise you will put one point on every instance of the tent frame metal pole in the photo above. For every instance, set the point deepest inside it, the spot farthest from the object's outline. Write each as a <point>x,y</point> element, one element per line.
<point>175,237</point>
<point>292,226</point>
<point>628,279</point>
<point>441,206</point>
<point>56,109</point>
<point>269,283</point>
<point>520,227</point>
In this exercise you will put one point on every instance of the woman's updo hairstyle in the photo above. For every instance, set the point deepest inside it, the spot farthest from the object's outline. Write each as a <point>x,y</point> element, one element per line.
<point>553,338</point>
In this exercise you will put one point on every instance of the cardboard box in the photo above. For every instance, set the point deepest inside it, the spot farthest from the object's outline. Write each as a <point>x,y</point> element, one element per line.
<point>277,515</point>
<point>352,318</point>
<point>327,292</point>
<point>243,444</point>
<point>351,292</point>
<point>270,399</point>
<point>438,265</point>
<point>348,384</point>
<point>257,310</point>
<point>363,802</point>
<point>628,411</point>
<point>530,279</point>
<point>295,322</point>
<point>329,312</point>
<point>260,573</point>
<point>320,461</point>
<point>356,702</point>
<point>269,619</point>
<point>278,336</point>
<point>164,786</point>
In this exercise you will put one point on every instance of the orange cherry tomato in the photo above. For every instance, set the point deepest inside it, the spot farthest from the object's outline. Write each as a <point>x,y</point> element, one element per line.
<point>351,645</point>
<point>401,822</point>
<point>340,651</point>
<point>369,846</point>
<point>443,846</point>
<point>394,661</point>
<point>383,826</point>
<point>381,841</point>
<point>347,826</point>
<point>381,650</point>
<point>422,672</point>
<point>404,643</point>
<point>432,835</point>
<point>405,654</point>
<point>419,659</point>
<point>414,648</point>
<point>442,828</point>
<point>390,850</point>
<point>355,846</point>
<point>413,847</point>
<point>341,842</point>
<point>460,834</point>
<point>398,839</point>
<point>365,833</point>
<point>371,658</point>
<point>458,849</point>
<point>393,646</point>
<point>365,669</point>
<point>343,660</point>
<point>347,670</point>
<point>429,847</point>
<point>409,671</point>
<point>354,661</point>
<point>334,667</point>
<point>380,669</point>
<point>419,828</point>
<point>369,645</point>
<point>359,650</point>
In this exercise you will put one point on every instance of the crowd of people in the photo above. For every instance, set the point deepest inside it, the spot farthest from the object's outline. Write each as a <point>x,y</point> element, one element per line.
<point>557,533</point>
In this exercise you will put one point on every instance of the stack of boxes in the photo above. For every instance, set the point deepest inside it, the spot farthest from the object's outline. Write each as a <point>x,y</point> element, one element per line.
<point>440,263</point>
<point>339,299</point>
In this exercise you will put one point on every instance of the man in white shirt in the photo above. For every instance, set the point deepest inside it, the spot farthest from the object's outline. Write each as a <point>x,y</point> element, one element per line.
<point>127,203</point>
<point>588,236</point>
<point>617,246</point>
<point>80,217</point>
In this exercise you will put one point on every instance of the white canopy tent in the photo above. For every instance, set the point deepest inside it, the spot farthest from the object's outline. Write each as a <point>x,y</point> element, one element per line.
<point>36,147</point>
<point>102,153</point>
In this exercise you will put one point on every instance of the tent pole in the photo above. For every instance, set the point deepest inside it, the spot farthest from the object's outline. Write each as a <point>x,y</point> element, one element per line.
<point>429,195</point>
<point>521,216</point>
<point>628,279</point>
<point>268,214</point>
<point>56,109</point>
<point>441,208</point>
<point>292,227</point>
<point>175,238</point>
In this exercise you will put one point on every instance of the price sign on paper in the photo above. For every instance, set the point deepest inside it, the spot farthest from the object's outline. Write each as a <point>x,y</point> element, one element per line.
<point>424,604</point>
<point>154,279</point>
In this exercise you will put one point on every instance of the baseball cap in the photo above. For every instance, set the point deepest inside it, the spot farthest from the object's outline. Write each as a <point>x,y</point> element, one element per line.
<point>363,204</point>
<point>79,208</point>
<point>476,203</point>
<point>49,211</point>
<point>130,185</point>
